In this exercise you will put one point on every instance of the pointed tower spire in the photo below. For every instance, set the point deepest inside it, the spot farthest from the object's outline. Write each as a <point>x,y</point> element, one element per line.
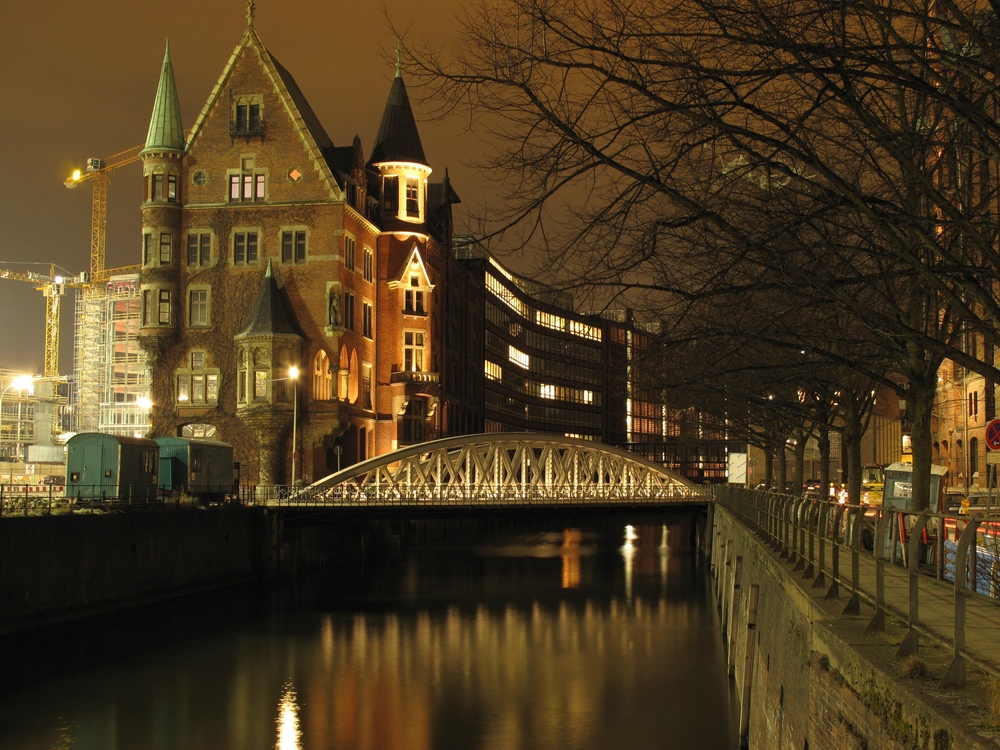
<point>398,139</point>
<point>270,315</point>
<point>165,130</point>
<point>250,7</point>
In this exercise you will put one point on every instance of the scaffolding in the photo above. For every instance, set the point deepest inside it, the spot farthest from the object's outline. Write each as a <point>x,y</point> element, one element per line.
<point>110,369</point>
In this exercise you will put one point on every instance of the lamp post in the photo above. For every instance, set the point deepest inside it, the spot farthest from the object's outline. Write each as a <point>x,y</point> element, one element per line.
<point>293,373</point>
<point>20,383</point>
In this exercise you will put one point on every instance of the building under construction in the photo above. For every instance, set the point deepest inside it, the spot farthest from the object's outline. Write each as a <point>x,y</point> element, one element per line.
<point>111,375</point>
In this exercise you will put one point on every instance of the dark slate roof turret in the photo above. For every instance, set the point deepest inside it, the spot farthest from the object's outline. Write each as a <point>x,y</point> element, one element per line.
<point>165,130</point>
<point>398,139</point>
<point>270,315</point>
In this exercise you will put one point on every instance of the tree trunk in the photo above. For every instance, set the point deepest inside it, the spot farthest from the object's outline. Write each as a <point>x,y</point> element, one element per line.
<point>824,460</point>
<point>851,445</point>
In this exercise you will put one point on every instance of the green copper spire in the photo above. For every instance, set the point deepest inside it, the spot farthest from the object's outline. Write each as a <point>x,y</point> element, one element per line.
<point>165,130</point>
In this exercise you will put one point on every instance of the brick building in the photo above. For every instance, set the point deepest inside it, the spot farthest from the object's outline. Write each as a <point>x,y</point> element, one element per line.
<point>267,250</point>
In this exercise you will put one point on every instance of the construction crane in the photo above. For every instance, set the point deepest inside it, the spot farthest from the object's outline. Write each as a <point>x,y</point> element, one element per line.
<point>98,171</point>
<point>53,287</point>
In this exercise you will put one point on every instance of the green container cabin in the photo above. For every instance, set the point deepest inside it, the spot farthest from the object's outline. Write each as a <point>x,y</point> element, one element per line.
<point>197,467</point>
<point>110,467</point>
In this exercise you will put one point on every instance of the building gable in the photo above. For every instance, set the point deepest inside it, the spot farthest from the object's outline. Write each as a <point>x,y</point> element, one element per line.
<point>252,71</point>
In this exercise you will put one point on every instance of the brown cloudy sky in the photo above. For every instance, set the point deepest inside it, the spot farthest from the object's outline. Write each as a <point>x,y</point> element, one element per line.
<point>78,80</point>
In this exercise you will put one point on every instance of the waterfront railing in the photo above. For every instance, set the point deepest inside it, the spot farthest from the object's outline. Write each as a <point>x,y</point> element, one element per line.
<point>937,573</point>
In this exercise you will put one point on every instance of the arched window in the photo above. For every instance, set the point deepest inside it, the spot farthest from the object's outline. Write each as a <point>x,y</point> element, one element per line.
<point>322,377</point>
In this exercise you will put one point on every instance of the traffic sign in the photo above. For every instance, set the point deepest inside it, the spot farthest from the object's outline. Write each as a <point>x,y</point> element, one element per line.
<point>993,435</point>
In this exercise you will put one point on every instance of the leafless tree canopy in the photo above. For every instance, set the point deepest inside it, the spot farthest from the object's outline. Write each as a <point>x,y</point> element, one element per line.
<point>835,159</point>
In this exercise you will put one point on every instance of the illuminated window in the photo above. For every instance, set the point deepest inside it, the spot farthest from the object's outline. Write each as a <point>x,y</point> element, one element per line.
<point>493,371</point>
<point>547,390</point>
<point>247,184</point>
<point>413,351</point>
<point>412,197</point>
<point>584,330</point>
<point>518,357</point>
<point>550,321</point>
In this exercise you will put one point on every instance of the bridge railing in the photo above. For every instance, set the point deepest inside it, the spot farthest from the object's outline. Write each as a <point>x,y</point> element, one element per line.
<point>897,559</point>
<point>371,496</point>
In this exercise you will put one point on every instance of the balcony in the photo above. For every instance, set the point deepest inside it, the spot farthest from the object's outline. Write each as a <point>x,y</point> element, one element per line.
<point>252,129</point>
<point>407,376</point>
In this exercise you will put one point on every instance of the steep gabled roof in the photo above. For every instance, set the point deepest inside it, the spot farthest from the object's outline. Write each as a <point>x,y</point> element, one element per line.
<point>165,130</point>
<point>270,315</point>
<point>398,139</point>
<point>315,141</point>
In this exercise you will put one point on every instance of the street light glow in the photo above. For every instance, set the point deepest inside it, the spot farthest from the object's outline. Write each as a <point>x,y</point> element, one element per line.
<point>19,383</point>
<point>293,373</point>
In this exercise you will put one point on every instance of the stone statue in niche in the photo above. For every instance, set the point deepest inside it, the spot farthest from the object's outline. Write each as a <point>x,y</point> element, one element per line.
<point>334,308</point>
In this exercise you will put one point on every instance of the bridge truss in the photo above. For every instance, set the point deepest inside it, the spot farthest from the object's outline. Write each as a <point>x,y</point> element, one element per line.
<point>500,469</point>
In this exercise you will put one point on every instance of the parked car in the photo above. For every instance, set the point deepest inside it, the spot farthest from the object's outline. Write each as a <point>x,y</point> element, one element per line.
<point>811,488</point>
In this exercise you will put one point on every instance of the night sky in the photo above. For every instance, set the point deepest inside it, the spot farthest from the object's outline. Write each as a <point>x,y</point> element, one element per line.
<point>79,79</point>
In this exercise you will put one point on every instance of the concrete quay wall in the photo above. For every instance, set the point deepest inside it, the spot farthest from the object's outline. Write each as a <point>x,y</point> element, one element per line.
<point>808,677</point>
<point>56,569</point>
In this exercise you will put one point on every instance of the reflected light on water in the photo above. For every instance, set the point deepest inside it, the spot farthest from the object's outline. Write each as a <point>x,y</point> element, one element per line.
<point>628,552</point>
<point>572,539</point>
<point>288,721</point>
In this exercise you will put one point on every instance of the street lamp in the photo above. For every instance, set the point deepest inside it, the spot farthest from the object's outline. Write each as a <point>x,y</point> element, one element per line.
<point>19,383</point>
<point>293,373</point>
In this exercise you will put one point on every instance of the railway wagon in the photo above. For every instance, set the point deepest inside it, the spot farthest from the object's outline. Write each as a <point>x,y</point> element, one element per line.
<point>197,467</point>
<point>111,467</point>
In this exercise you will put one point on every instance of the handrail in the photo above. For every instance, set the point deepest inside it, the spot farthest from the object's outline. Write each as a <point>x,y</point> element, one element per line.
<point>886,543</point>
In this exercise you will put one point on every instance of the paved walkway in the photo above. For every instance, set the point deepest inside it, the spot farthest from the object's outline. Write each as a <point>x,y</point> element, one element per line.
<point>936,615</point>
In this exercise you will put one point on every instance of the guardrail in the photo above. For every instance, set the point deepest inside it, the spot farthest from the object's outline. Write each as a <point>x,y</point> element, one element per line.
<point>898,559</point>
<point>354,496</point>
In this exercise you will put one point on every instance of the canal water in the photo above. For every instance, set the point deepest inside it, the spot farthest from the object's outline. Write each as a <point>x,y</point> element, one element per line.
<point>576,638</point>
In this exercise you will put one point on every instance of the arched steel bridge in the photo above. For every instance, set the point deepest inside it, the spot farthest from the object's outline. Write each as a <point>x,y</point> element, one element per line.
<point>516,470</point>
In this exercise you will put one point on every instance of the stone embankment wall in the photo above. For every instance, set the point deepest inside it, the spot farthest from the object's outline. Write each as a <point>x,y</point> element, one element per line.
<point>58,568</point>
<point>808,677</point>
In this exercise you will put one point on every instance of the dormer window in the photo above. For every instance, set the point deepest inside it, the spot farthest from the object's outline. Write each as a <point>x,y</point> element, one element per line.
<point>248,118</point>
<point>414,298</point>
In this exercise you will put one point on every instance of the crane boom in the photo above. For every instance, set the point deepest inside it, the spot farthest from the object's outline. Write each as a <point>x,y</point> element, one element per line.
<point>52,286</point>
<point>99,172</point>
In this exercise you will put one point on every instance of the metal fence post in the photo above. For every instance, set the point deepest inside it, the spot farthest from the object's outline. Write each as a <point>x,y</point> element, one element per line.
<point>954,676</point>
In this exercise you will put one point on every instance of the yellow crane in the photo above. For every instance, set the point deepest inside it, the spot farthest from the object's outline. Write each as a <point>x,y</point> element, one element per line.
<point>98,172</point>
<point>53,287</point>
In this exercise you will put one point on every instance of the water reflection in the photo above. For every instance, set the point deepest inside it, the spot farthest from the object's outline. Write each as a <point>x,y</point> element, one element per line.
<point>569,641</point>
<point>288,721</point>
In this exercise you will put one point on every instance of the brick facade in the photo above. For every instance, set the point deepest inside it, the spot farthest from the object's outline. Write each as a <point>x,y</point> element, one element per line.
<point>255,195</point>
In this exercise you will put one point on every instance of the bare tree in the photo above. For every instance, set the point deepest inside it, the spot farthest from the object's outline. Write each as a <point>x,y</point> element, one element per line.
<point>637,141</point>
